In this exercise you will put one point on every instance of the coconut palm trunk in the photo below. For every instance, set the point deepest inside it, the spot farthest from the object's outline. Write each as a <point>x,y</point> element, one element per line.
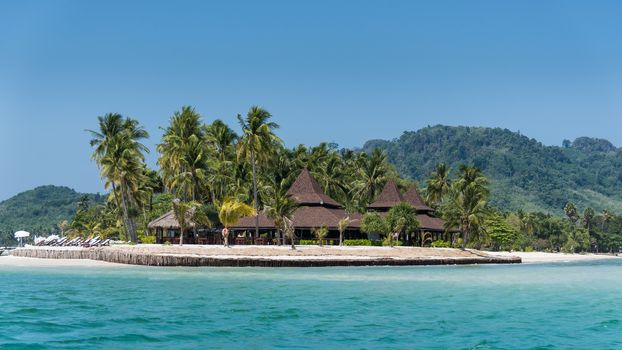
<point>256,204</point>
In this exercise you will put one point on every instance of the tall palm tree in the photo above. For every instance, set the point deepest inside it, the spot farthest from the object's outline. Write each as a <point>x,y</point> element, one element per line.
<point>231,211</point>
<point>467,203</point>
<point>439,184</point>
<point>371,176</point>
<point>588,216</point>
<point>606,218</point>
<point>221,143</point>
<point>183,155</point>
<point>571,212</point>
<point>183,212</point>
<point>280,207</point>
<point>119,155</point>
<point>257,143</point>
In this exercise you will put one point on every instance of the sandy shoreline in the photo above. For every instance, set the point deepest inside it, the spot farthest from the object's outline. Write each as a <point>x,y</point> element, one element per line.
<point>18,261</point>
<point>542,257</point>
<point>313,254</point>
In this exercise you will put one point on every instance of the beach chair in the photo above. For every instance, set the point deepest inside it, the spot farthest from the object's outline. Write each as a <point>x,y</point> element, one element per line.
<point>105,242</point>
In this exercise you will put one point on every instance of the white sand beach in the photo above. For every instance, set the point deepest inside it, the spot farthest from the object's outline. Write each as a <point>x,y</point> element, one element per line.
<point>542,257</point>
<point>302,252</point>
<point>18,261</point>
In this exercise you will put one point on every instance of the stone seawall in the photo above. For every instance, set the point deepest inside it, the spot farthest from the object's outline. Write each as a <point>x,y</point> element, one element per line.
<point>152,259</point>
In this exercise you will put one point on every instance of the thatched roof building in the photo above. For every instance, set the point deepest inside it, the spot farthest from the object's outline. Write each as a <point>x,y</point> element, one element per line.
<point>315,208</point>
<point>391,196</point>
<point>168,221</point>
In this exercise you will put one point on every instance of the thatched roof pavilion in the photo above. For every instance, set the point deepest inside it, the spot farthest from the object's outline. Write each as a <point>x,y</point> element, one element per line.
<point>315,208</point>
<point>391,196</point>
<point>168,221</point>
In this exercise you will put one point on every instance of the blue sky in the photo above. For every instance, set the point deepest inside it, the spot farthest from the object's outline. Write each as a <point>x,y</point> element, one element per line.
<point>343,71</point>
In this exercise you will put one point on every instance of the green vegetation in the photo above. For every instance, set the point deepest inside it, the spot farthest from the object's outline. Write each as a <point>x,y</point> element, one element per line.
<point>40,211</point>
<point>524,174</point>
<point>498,189</point>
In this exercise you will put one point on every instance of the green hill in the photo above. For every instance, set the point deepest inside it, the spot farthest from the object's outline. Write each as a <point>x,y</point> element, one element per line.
<point>525,174</point>
<point>39,210</point>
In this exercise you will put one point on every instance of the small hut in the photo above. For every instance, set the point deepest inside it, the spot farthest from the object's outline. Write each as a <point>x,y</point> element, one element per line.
<point>167,229</point>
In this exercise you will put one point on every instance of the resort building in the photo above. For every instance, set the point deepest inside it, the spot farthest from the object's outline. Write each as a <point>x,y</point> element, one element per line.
<point>167,229</point>
<point>391,196</point>
<point>316,209</point>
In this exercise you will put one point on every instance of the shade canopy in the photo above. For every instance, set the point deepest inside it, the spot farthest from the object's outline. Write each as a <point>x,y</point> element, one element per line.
<point>22,234</point>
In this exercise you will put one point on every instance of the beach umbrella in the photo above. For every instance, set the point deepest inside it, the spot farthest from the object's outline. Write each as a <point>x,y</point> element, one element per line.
<point>21,235</point>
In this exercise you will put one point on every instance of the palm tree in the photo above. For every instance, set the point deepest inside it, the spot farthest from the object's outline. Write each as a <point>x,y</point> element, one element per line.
<point>221,141</point>
<point>231,211</point>
<point>588,216</point>
<point>402,220</point>
<point>467,202</point>
<point>62,225</point>
<point>280,207</point>
<point>372,174</point>
<point>606,218</point>
<point>342,226</point>
<point>183,212</point>
<point>119,155</point>
<point>183,154</point>
<point>439,184</point>
<point>571,212</point>
<point>320,233</point>
<point>257,143</point>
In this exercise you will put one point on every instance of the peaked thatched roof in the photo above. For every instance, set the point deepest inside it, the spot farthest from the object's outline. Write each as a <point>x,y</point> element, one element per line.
<point>389,197</point>
<point>168,221</point>
<point>306,191</point>
<point>412,196</point>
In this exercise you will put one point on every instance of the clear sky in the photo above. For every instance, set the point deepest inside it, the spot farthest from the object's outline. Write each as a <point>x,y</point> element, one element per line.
<point>340,71</point>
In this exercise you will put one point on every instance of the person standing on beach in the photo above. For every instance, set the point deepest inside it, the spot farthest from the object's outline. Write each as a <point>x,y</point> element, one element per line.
<point>225,237</point>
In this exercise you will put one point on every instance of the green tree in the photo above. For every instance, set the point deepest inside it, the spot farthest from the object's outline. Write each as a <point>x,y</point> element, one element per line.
<point>183,155</point>
<point>467,203</point>
<point>402,220</point>
<point>280,207</point>
<point>502,235</point>
<point>257,143</point>
<point>119,155</point>
<point>231,211</point>
<point>320,233</point>
<point>571,212</point>
<point>439,184</point>
<point>183,212</point>
<point>374,223</point>
<point>371,176</point>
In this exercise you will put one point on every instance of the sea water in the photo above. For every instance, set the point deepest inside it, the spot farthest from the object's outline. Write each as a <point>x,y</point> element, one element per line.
<point>538,306</point>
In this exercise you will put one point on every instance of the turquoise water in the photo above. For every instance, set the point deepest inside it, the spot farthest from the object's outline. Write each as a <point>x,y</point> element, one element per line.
<point>547,306</point>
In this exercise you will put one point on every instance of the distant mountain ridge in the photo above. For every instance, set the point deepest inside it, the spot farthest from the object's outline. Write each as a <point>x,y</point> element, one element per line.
<point>524,173</point>
<point>40,209</point>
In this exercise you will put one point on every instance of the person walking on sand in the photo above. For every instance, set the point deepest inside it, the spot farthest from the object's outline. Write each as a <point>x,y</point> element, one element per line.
<point>225,237</point>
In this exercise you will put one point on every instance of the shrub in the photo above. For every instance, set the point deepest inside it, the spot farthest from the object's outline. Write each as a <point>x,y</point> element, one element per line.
<point>147,239</point>
<point>357,242</point>
<point>307,242</point>
<point>386,242</point>
<point>441,244</point>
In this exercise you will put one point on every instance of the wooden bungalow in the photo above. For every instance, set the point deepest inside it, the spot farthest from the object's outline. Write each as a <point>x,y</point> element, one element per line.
<point>167,229</point>
<point>391,196</point>
<point>315,209</point>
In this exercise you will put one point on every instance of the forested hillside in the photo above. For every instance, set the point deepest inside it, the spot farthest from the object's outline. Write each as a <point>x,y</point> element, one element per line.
<point>39,210</point>
<point>524,173</point>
